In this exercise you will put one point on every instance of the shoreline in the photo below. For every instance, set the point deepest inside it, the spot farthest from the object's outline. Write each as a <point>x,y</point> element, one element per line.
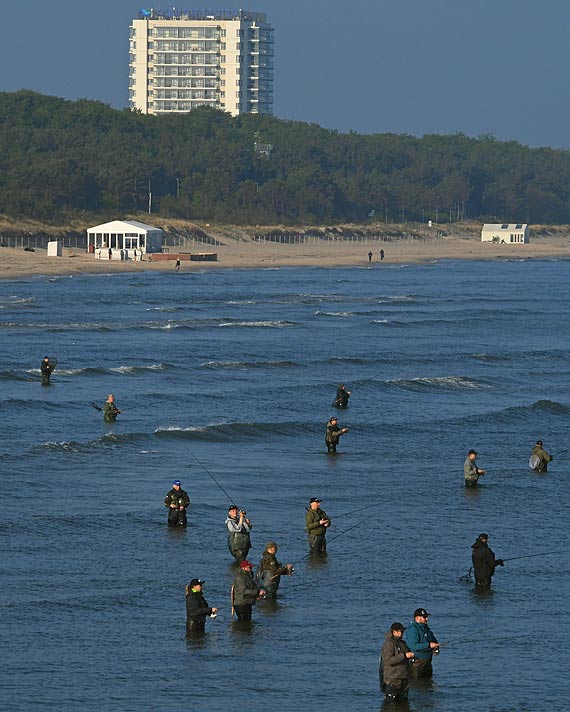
<point>16,263</point>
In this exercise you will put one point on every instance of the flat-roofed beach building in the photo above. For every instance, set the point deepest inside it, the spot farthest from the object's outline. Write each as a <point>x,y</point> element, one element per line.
<point>180,60</point>
<point>509,233</point>
<point>123,239</point>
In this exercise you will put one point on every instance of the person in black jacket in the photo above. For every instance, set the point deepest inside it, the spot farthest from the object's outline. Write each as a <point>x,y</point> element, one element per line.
<point>177,501</point>
<point>395,661</point>
<point>197,607</point>
<point>333,433</point>
<point>47,367</point>
<point>341,398</point>
<point>484,561</point>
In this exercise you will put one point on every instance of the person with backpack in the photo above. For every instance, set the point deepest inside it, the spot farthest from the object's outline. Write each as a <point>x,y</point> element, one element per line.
<point>539,458</point>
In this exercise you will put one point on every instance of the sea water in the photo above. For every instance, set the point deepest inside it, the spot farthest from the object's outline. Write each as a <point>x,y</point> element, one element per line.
<point>235,370</point>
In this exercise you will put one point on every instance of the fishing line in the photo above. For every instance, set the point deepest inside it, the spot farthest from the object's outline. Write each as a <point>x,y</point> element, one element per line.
<point>212,476</point>
<point>545,553</point>
<point>361,509</point>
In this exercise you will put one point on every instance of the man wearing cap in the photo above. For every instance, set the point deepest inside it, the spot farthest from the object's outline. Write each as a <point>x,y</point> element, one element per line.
<point>539,458</point>
<point>471,471</point>
<point>239,526</point>
<point>269,571</point>
<point>316,523</point>
<point>395,659</point>
<point>197,607</point>
<point>110,410</point>
<point>422,642</point>
<point>245,591</point>
<point>484,561</point>
<point>333,433</point>
<point>176,501</point>
<point>46,367</point>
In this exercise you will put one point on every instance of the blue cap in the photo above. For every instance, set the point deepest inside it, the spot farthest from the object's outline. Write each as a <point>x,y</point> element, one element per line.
<point>177,482</point>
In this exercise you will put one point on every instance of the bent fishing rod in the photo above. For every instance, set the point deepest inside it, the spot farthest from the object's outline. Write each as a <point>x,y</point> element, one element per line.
<point>212,476</point>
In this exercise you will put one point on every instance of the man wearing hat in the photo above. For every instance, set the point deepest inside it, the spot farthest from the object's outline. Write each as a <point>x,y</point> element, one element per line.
<point>176,501</point>
<point>197,607</point>
<point>316,523</point>
<point>422,642</point>
<point>269,571</point>
<point>395,659</point>
<point>539,458</point>
<point>471,471</point>
<point>239,526</point>
<point>245,591</point>
<point>484,561</point>
<point>332,435</point>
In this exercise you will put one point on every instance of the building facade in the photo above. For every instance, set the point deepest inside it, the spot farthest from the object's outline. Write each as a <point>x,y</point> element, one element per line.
<point>505,233</point>
<point>182,60</point>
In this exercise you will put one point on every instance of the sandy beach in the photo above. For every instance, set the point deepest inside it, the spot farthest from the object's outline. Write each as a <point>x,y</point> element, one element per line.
<point>17,263</point>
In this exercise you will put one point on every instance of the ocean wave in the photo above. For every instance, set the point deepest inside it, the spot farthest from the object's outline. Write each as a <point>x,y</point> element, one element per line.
<point>19,404</point>
<point>229,432</point>
<point>95,371</point>
<point>246,365</point>
<point>277,324</point>
<point>341,314</point>
<point>18,375</point>
<point>18,302</point>
<point>440,382</point>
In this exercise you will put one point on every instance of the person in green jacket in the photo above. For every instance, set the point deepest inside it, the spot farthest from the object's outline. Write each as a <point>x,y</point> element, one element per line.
<point>316,523</point>
<point>245,591</point>
<point>110,410</point>
<point>543,457</point>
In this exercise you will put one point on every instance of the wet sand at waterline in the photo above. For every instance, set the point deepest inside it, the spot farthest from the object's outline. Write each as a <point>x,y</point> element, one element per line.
<point>15,263</point>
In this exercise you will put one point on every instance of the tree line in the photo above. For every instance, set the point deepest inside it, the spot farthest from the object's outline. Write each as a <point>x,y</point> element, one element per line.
<point>63,158</point>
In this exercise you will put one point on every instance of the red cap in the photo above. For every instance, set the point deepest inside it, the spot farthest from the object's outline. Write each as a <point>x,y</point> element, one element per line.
<point>245,564</point>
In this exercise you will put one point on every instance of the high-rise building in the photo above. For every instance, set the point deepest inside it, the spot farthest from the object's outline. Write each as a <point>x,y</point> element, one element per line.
<point>181,60</point>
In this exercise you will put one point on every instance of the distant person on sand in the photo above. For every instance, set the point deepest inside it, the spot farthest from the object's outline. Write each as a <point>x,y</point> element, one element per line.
<point>47,367</point>
<point>177,265</point>
<point>370,256</point>
<point>110,253</point>
<point>471,471</point>
<point>110,410</point>
<point>333,433</point>
<point>539,458</point>
<point>381,255</point>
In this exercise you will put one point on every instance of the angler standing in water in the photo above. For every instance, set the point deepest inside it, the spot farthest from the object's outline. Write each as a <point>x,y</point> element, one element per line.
<point>269,571</point>
<point>341,398</point>
<point>539,458</point>
<point>47,367</point>
<point>471,471</point>
<point>422,642</point>
<point>245,591</point>
<point>177,501</point>
<point>395,659</point>
<point>316,523</point>
<point>197,607</point>
<point>484,561</point>
<point>239,540</point>
<point>110,410</point>
<point>333,433</point>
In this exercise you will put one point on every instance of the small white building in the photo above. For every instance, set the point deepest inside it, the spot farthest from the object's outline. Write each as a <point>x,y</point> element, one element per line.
<point>123,239</point>
<point>505,233</point>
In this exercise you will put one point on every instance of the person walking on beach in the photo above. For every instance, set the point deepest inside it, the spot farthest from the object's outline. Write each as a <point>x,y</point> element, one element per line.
<point>471,471</point>
<point>197,607</point>
<point>539,458</point>
<point>177,502</point>
<point>47,367</point>
<point>177,266</point>
<point>239,526</point>
<point>395,659</point>
<point>110,410</point>
<point>381,255</point>
<point>422,642</point>
<point>269,571</point>
<point>333,433</point>
<point>245,591</point>
<point>316,523</point>
<point>370,256</point>
<point>484,561</point>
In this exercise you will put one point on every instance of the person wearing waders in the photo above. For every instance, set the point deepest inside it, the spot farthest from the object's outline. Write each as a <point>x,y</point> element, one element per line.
<point>332,436</point>
<point>539,458</point>
<point>484,561</point>
<point>422,642</point>
<point>270,570</point>
<point>47,369</point>
<point>197,607</point>
<point>316,523</point>
<point>341,398</point>
<point>110,410</point>
<point>245,591</point>
<point>177,501</point>
<point>239,526</point>
<point>394,671</point>
<point>471,471</point>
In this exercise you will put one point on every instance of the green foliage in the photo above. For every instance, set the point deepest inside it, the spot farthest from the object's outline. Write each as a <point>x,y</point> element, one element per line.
<point>59,158</point>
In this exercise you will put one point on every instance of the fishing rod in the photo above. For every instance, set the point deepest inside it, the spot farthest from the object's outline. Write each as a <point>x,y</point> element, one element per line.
<point>545,553</point>
<point>212,476</point>
<point>361,509</point>
<point>488,640</point>
<point>332,539</point>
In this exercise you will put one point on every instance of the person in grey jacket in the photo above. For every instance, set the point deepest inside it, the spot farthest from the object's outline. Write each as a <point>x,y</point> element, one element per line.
<point>471,471</point>
<point>245,591</point>
<point>239,526</point>
<point>395,660</point>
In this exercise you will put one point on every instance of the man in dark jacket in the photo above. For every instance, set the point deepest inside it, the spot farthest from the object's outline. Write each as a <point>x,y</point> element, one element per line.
<point>541,457</point>
<point>484,561</point>
<point>395,665</point>
<point>177,501</point>
<point>342,396</point>
<point>333,433</point>
<point>110,410</point>
<point>245,591</point>
<point>422,642</point>
<point>47,367</point>
<point>269,571</point>
<point>316,523</point>
<point>197,607</point>
<point>239,526</point>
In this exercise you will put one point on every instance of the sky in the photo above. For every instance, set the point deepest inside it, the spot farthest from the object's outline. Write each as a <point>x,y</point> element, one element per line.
<point>479,67</point>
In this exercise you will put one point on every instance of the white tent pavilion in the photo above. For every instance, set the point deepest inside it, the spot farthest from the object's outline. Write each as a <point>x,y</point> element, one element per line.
<point>123,239</point>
